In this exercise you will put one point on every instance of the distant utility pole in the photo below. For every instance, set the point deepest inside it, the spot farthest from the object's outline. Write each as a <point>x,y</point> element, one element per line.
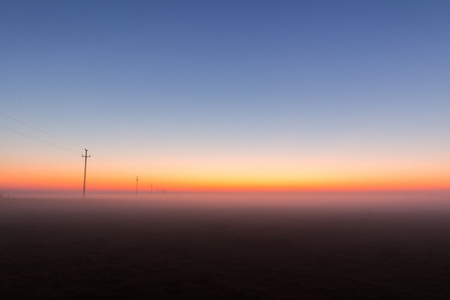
<point>85,165</point>
<point>137,179</point>
<point>151,188</point>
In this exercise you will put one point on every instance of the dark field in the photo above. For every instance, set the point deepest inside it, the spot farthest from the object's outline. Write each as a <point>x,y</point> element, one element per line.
<point>260,253</point>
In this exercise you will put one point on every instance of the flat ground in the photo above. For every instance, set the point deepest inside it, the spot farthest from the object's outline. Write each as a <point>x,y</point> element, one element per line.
<point>148,253</point>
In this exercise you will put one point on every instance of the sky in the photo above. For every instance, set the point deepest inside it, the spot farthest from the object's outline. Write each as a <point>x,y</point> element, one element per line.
<point>225,95</point>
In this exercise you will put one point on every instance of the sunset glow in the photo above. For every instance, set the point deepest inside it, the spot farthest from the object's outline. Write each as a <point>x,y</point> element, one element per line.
<point>224,97</point>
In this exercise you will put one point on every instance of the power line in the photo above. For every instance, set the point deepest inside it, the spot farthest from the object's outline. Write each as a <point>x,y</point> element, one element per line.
<point>35,138</point>
<point>103,164</point>
<point>32,137</point>
<point>118,171</point>
<point>48,143</point>
<point>40,130</point>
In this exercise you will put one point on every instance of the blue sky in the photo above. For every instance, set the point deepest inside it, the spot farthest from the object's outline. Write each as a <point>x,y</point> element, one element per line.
<point>356,81</point>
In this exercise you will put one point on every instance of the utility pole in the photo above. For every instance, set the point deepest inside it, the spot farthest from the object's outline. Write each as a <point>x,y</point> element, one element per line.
<point>151,188</point>
<point>137,179</point>
<point>85,165</point>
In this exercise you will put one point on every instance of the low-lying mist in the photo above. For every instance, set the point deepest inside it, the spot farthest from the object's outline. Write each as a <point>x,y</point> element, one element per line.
<point>300,201</point>
<point>225,245</point>
<point>270,207</point>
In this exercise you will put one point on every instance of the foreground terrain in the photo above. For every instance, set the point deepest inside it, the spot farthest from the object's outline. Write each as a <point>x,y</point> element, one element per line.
<point>168,252</point>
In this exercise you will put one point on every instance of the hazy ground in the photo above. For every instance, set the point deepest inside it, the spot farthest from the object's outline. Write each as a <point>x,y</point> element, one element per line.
<point>136,250</point>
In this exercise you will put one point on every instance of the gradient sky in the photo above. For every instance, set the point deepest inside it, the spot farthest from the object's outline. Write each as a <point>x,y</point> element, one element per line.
<point>195,95</point>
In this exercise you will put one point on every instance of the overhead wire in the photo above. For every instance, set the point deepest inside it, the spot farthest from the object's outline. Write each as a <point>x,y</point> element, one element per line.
<point>29,136</point>
<point>97,160</point>
<point>40,130</point>
<point>114,169</point>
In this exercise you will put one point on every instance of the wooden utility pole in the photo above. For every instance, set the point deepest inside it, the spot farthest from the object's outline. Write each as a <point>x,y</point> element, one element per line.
<point>85,166</point>
<point>137,179</point>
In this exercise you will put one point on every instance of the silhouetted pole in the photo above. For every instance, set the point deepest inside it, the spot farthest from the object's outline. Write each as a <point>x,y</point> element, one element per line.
<point>85,166</point>
<point>137,179</point>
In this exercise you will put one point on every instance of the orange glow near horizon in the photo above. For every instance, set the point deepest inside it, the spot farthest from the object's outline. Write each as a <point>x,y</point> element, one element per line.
<point>60,180</point>
<point>244,171</point>
<point>218,176</point>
